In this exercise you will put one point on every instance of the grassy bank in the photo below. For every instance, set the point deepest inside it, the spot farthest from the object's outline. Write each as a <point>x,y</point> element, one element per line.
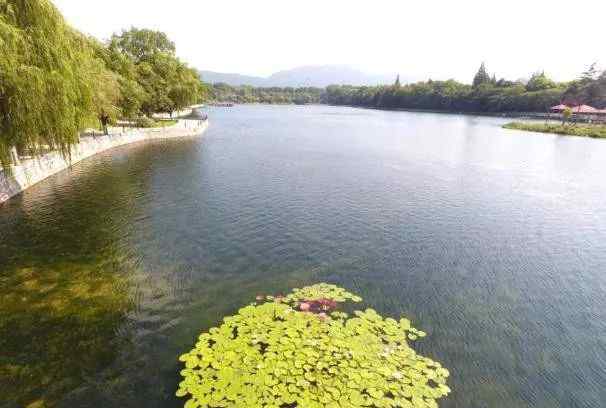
<point>165,123</point>
<point>587,130</point>
<point>148,123</point>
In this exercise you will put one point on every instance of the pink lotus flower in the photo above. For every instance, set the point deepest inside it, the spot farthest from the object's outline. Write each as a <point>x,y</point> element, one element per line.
<point>322,316</point>
<point>304,307</point>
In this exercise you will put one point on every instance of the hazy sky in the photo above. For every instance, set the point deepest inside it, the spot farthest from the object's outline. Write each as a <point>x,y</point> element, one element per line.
<point>423,39</point>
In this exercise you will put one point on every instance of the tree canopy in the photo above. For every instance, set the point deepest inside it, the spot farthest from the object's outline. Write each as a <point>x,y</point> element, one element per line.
<point>47,92</point>
<point>163,82</point>
<point>272,95</point>
<point>589,88</point>
<point>481,76</point>
<point>539,82</point>
<point>55,81</point>
<point>142,44</point>
<point>486,94</point>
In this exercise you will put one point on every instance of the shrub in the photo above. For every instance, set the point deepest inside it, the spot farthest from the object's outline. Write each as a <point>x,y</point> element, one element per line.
<point>145,122</point>
<point>299,351</point>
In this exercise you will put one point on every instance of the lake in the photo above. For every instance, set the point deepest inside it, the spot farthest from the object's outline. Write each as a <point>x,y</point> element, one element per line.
<point>493,241</point>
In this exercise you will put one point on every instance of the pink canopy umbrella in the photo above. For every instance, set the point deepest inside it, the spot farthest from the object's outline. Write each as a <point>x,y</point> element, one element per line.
<point>584,109</point>
<point>558,108</point>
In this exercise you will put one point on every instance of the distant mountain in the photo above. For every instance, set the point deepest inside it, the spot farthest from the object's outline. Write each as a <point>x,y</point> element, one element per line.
<point>322,76</point>
<point>317,76</point>
<point>232,79</point>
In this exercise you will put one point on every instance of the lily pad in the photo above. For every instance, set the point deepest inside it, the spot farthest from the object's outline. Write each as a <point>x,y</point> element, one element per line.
<point>274,354</point>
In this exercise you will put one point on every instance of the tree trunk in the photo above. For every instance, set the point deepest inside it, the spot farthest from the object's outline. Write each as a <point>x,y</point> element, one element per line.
<point>15,156</point>
<point>104,119</point>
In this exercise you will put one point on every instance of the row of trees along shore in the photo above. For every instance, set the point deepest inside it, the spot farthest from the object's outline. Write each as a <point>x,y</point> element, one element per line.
<point>272,95</point>
<point>485,94</point>
<point>56,82</point>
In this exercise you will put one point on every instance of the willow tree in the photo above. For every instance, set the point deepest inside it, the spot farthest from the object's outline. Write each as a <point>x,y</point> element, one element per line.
<point>107,90</point>
<point>47,92</point>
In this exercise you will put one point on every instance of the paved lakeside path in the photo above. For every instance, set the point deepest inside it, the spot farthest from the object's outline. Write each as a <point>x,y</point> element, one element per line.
<point>31,171</point>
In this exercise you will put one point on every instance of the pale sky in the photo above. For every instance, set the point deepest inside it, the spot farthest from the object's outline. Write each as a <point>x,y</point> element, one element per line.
<point>420,39</point>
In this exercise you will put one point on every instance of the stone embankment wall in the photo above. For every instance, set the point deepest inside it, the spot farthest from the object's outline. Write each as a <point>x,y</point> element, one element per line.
<point>31,171</point>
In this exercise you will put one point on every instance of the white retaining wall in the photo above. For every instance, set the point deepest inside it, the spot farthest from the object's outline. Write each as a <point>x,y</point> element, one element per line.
<point>31,171</point>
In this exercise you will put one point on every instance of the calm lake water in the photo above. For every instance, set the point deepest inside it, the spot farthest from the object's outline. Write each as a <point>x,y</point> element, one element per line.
<point>492,241</point>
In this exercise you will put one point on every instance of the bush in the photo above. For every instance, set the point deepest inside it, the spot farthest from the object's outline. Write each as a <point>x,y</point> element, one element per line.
<point>145,122</point>
<point>299,351</point>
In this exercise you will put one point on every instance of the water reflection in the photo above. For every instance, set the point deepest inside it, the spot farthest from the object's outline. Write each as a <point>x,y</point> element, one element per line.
<point>58,325</point>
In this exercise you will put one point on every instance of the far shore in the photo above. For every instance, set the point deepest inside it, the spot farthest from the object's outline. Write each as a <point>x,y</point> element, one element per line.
<point>513,115</point>
<point>521,115</point>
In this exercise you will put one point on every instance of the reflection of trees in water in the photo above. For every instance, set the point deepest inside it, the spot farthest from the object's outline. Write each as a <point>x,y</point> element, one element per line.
<point>168,313</point>
<point>85,320</point>
<point>64,281</point>
<point>58,325</point>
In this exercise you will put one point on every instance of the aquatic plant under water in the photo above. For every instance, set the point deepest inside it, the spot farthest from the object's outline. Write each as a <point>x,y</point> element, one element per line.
<point>299,351</point>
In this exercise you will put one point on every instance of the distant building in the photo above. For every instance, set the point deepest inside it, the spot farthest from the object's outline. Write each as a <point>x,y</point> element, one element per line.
<point>579,109</point>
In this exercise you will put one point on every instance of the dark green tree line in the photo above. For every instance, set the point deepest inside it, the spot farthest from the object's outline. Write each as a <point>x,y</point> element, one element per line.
<point>485,94</point>
<point>270,95</point>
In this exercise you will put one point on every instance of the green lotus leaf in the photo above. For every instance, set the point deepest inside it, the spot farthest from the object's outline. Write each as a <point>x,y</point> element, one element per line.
<point>271,354</point>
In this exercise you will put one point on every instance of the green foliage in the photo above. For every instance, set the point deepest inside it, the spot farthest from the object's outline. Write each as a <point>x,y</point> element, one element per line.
<point>485,95</point>
<point>142,44</point>
<point>274,355</point>
<point>154,79</point>
<point>481,77</point>
<point>322,291</point>
<point>47,94</point>
<point>566,114</point>
<point>145,122</point>
<point>106,92</point>
<point>589,88</point>
<point>539,82</point>
<point>452,96</point>
<point>272,95</point>
<point>55,82</point>
<point>131,95</point>
<point>587,130</point>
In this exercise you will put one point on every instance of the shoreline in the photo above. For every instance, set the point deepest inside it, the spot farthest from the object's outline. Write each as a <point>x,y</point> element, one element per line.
<point>530,116</point>
<point>509,115</point>
<point>31,171</point>
<point>593,131</point>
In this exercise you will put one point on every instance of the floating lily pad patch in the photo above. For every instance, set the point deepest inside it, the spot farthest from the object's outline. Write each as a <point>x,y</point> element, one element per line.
<point>301,351</point>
